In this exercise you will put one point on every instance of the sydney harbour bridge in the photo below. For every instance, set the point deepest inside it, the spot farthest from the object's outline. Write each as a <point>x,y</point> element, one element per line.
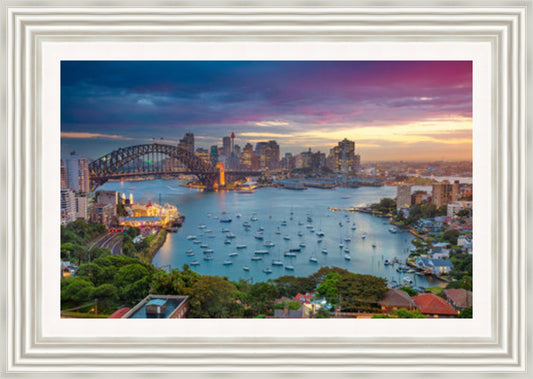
<point>154,160</point>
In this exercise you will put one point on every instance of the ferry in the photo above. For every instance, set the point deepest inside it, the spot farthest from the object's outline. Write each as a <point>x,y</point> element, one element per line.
<point>241,246</point>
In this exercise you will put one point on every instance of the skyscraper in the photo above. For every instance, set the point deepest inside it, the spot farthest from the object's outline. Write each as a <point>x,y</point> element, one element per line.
<point>445,193</point>
<point>267,154</point>
<point>342,157</point>
<point>187,142</point>
<point>246,157</point>
<point>68,206</point>
<point>403,196</point>
<point>213,155</point>
<point>63,176</point>
<point>77,170</point>
<point>226,146</point>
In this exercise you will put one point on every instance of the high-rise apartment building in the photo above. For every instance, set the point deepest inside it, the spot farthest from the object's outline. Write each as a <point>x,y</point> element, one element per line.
<point>445,193</point>
<point>403,196</point>
<point>268,155</point>
<point>63,176</point>
<point>226,146</point>
<point>77,170</point>
<point>246,156</point>
<point>68,206</point>
<point>203,154</point>
<point>81,206</point>
<point>213,155</point>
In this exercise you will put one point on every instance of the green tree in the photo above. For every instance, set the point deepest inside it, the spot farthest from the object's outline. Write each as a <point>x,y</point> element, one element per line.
<point>361,292</point>
<point>263,291</point>
<point>134,292</point>
<point>328,287</point>
<point>211,297</point>
<point>451,236</point>
<point>464,212</point>
<point>404,313</point>
<point>76,291</point>
<point>411,292</point>
<point>466,313</point>
<point>107,295</point>
<point>130,274</point>
<point>91,271</point>
<point>323,312</point>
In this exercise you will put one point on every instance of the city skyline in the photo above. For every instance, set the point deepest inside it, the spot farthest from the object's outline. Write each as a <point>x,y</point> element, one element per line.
<point>392,110</point>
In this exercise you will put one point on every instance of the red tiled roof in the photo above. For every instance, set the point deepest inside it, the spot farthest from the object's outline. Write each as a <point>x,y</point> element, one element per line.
<point>430,303</point>
<point>120,312</point>
<point>460,297</point>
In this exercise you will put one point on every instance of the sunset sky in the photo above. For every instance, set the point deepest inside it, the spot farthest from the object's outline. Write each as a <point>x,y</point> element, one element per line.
<point>420,110</point>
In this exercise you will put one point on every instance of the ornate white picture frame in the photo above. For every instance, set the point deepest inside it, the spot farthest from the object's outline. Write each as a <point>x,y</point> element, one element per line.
<point>38,36</point>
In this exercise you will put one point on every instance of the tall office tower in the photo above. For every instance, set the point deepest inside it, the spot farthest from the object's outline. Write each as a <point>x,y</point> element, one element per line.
<point>445,193</point>
<point>187,142</point>
<point>403,196</point>
<point>81,206</point>
<point>213,155</point>
<point>203,154</point>
<point>78,174</point>
<point>63,176</point>
<point>342,157</point>
<point>267,154</point>
<point>246,157</point>
<point>226,146</point>
<point>68,206</point>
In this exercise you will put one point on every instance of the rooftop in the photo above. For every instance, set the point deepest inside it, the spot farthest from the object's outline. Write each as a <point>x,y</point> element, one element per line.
<point>397,298</point>
<point>430,303</point>
<point>460,297</point>
<point>172,303</point>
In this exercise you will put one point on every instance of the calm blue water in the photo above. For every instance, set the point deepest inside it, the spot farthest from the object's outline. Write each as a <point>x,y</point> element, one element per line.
<point>272,206</point>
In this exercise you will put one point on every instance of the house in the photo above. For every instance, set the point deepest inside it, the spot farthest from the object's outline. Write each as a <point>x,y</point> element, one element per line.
<point>438,252</point>
<point>434,306</point>
<point>305,298</point>
<point>434,266</point>
<point>302,312</point>
<point>459,298</point>
<point>119,313</point>
<point>396,299</point>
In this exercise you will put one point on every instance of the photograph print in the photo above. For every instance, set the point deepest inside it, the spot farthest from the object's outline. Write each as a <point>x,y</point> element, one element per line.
<point>266,189</point>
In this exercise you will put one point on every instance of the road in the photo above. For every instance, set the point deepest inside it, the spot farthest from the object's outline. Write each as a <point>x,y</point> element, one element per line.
<point>111,241</point>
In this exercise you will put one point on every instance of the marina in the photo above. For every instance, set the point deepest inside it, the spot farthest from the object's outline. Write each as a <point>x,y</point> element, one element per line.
<point>275,209</point>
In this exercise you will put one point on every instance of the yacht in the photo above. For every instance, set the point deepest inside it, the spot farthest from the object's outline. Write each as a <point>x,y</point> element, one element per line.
<point>208,251</point>
<point>238,215</point>
<point>190,254</point>
<point>240,246</point>
<point>196,241</point>
<point>204,246</point>
<point>194,263</point>
<point>277,262</point>
<point>225,230</point>
<point>320,233</point>
<point>227,262</point>
<point>246,268</point>
<point>393,229</point>
<point>208,258</point>
<point>346,250</point>
<point>225,219</point>
<point>256,258</point>
<point>261,252</point>
<point>202,226</point>
<point>268,244</point>
<point>234,254</point>
<point>347,258</point>
<point>363,236</point>
<point>374,245</point>
<point>289,268</point>
<point>289,254</point>
<point>253,218</point>
<point>230,235</point>
<point>258,236</point>
<point>347,239</point>
<point>267,271</point>
<point>191,237</point>
<point>227,242</point>
<point>295,249</point>
<point>246,224</point>
<point>324,251</point>
<point>300,233</point>
<point>302,244</point>
<point>313,260</point>
<point>286,237</point>
<point>189,251</point>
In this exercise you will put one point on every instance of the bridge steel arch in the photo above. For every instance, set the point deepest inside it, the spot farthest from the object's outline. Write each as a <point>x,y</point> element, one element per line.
<point>114,163</point>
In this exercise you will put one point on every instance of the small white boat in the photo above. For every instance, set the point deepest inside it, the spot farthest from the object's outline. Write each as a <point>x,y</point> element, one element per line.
<point>267,271</point>
<point>256,258</point>
<point>234,254</point>
<point>230,235</point>
<point>191,237</point>
<point>227,242</point>
<point>204,246</point>
<point>208,251</point>
<point>208,231</point>
<point>202,226</point>
<point>246,268</point>
<point>194,263</point>
<point>277,263</point>
<point>189,251</point>
<point>287,238</point>
<point>347,239</point>
<point>261,252</point>
<point>261,228</point>
<point>289,254</point>
<point>196,241</point>
<point>319,240</point>
<point>320,233</point>
<point>289,268</point>
<point>268,244</point>
<point>227,262</point>
<point>253,219</point>
<point>240,246</point>
<point>208,258</point>
<point>341,245</point>
<point>324,251</point>
<point>374,245</point>
<point>238,215</point>
<point>313,260</point>
<point>346,250</point>
<point>225,230</point>
<point>300,234</point>
<point>363,236</point>
<point>347,257</point>
<point>302,244</point>
<point>393,229</point>
<point>190,254</point>
<point>258,236</point>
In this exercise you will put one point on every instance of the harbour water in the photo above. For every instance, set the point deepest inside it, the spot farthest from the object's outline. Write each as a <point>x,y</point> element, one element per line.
<point>286,218</point>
